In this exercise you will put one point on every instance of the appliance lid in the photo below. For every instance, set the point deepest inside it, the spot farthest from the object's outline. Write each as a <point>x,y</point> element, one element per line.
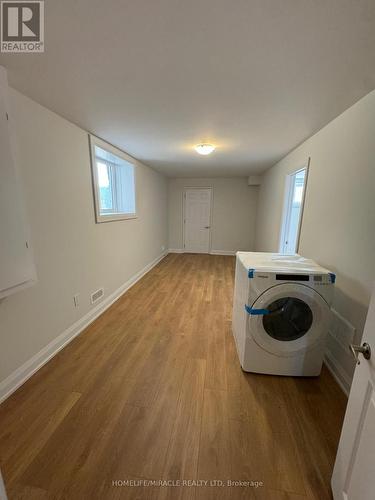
<point>280,263</point>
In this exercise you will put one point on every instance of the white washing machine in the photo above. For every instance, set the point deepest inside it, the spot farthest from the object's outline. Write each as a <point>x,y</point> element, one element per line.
<point>281,313</point>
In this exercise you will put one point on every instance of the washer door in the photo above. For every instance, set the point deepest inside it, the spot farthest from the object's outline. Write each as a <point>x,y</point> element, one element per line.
<point>295,319</point>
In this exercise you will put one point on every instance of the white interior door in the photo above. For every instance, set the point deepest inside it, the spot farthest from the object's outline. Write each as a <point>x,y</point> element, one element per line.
<point>354,472</point>
<point>197,220</point>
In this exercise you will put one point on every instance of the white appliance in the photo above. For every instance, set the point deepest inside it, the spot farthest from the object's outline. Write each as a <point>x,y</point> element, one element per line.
<point>281,313</point>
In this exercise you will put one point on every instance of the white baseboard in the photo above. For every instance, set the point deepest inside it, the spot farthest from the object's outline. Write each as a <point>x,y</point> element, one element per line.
<point>337,371</point>
<point>223,252</point>
<point>212,252</point>
<point>24,372</point>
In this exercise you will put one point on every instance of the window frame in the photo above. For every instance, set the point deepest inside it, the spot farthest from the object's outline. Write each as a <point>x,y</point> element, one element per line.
<point>110,216</point>
<point>285,219</point>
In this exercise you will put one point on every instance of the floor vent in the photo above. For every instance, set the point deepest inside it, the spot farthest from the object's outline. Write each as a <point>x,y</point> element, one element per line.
<point>95,296</point>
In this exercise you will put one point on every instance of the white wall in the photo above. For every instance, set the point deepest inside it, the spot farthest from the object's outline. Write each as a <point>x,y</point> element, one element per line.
<point>338,228</point>
<point>72,253</point>
<point>233,212</point>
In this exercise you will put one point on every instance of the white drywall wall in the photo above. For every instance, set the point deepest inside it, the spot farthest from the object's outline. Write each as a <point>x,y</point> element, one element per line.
<point>72,253</point>
<point>339,217</point>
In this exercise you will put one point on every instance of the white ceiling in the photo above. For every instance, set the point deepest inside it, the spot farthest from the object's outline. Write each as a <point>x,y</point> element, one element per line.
<point>155,77</point>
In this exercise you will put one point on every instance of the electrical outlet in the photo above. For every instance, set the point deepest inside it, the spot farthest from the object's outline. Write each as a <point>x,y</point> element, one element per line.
<point>76,300</point>
<point>163,248</point>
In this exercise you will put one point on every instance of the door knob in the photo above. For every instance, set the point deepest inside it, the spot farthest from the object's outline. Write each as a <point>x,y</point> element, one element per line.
<point>364,349</point>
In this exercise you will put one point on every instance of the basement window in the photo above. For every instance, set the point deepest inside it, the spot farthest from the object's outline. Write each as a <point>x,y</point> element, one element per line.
<point>293,211</point>
<point>113,175</point>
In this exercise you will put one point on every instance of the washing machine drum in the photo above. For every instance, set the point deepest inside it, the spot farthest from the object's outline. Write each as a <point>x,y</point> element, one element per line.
<point>288,318</point>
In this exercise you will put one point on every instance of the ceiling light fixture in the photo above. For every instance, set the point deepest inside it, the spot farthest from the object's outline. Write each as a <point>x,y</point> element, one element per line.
<point>204,149</point>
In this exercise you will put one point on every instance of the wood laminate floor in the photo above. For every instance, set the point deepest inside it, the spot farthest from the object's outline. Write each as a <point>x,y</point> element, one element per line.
<point>153,390</point>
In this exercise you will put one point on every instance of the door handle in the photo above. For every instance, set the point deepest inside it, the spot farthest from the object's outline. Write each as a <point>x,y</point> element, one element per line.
<point>364,349</point>
<point>207,227</point>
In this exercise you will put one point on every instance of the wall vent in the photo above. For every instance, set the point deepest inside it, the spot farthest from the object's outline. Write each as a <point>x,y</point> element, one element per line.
<point>341,330</point>
<point>98,294</point>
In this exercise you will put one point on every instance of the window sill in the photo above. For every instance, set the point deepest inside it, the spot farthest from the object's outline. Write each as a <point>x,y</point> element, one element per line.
<point>114,217</point>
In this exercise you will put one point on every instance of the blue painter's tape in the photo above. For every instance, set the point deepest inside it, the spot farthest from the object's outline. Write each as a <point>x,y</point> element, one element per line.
<point>251,273</point>
<point>259,312</point>
<point>255,312</point>
<point>333,277</point>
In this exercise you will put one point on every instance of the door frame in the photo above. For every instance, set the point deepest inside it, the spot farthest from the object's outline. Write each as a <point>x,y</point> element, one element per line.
<point>286,205</point>
<point>185,189</point>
